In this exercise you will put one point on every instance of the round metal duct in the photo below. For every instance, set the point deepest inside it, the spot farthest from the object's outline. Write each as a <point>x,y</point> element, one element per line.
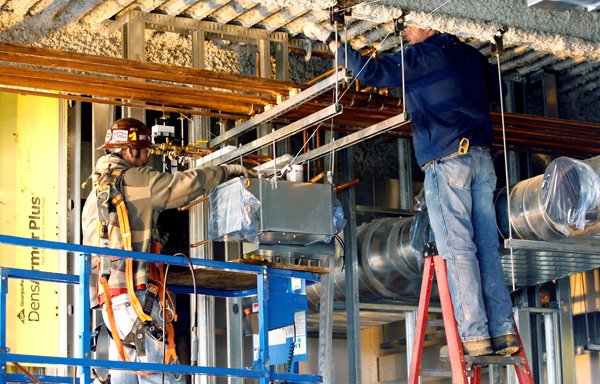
<point>390,261</point>
<point>552,206</point>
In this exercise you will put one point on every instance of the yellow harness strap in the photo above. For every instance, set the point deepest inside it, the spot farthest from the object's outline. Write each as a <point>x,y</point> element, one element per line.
<point>156,274</point>
<point>123,217</point>
<point>113,327</point>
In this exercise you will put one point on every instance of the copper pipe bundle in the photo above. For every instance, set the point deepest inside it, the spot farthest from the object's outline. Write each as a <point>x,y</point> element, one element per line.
<point>116,81</point>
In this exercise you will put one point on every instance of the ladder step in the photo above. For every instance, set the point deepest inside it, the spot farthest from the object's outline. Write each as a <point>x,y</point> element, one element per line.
<point>436,373</point>
<point>494,359</point>
<point>435,323</point>
<point>440,373</point>
<point>489,360</point>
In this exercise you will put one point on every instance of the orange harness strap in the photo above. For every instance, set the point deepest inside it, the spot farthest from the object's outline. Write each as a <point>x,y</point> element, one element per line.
<point>156,274</point>
<point>123,217</point>
<point>113,327</point>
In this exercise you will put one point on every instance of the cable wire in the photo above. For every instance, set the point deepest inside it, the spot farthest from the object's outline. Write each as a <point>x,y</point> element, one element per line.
<point>376,50</point>
<point>504,146</point>
<point>585,311</point>
<point>194,310</point>
<point>164,327</point>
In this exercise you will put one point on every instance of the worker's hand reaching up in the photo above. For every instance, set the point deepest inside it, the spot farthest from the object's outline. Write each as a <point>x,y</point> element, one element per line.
<point>234,170</point>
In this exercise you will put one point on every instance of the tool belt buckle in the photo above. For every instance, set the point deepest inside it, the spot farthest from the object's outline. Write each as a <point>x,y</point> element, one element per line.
<point>463,146</point>
<point>136,337</point>
<point>155,332</point>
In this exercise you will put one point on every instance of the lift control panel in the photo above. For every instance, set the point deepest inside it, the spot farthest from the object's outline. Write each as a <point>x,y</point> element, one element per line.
<point>288,307</point>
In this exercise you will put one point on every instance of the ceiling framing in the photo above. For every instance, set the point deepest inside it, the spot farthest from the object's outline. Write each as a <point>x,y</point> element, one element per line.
<point>53,73</point>
<point>538,38</point>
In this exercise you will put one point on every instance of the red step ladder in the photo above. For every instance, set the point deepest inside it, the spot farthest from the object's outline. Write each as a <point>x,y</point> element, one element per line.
<point>465,369</point>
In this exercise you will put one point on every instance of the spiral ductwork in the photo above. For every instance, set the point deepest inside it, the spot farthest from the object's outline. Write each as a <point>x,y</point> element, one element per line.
<point>559,204</point>
<point>389,254</point>
<point>542,208</point>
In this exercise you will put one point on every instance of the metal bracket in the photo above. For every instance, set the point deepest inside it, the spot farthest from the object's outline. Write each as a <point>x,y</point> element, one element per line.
<point>282,133</point>
<point>280,109</point>
<point>354,138</point>
<point>498,45</point>
<point>339,16</point>
<point>399,26</point>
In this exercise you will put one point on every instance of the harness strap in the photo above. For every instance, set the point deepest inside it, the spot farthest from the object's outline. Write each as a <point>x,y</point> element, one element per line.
<point>113,327</point>
<point>156,273</point>
<point>118,202</point>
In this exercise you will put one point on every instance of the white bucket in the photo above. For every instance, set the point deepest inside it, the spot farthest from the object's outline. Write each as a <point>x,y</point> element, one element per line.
<point>296,173</point>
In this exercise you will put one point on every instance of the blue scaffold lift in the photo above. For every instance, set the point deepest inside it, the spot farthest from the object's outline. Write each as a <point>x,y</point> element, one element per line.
<point>263,370</point>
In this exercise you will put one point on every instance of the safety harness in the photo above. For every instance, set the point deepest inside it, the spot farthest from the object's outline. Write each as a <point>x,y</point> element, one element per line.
<point>110,199</point>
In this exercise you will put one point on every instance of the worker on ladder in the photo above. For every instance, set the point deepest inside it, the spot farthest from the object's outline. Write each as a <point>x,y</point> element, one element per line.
<point>448,85</point>
<point>121,212</point>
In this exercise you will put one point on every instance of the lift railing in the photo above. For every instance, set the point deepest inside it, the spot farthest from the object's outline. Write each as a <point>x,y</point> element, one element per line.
<point>83,360</point>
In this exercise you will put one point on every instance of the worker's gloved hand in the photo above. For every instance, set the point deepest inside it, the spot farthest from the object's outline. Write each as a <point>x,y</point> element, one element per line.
<point>235,170</point>
<point>316,31</point>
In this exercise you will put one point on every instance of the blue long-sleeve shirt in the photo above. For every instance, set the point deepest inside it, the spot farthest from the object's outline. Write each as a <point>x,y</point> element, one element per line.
<point>448,86</point>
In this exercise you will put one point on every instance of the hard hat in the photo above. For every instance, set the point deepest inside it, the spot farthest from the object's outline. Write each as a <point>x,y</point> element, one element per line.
<point>127,133</point>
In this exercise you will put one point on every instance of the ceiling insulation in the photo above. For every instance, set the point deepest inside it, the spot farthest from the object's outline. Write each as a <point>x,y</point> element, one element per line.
<point>565,42</point>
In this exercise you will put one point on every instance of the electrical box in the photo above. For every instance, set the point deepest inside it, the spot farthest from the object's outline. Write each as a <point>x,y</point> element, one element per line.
<point>293,213</point>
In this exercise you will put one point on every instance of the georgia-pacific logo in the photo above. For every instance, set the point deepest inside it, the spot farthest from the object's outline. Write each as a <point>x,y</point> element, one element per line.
<point>21,316</point>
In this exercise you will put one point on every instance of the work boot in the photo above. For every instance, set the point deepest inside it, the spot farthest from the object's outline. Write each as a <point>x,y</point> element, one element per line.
<point>505,344</point>
<point>481,347</point>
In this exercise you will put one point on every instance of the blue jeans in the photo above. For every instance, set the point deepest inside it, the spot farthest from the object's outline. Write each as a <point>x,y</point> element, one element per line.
<point>124,318</point>
<point>459,196</point>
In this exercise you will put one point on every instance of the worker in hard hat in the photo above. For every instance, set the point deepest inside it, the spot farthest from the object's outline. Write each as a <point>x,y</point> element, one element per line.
<point>448,85</point>
<point>121,212</point>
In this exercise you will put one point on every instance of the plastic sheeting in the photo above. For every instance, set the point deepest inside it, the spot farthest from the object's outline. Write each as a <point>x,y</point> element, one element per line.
<point>570,189</point>
<point>553,206</point>
<point>233,213</point>
<point>339,221</point>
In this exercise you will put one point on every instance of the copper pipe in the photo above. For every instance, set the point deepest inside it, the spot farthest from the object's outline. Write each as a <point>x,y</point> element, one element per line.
<point>191,204</point>
<point>115,91</point>
<point>323,76</point>
<point>360,110</point>
<point>347,185</point>
<point>318,177</point>
<point>260,156</point>
<point>156,71</point>
<point>304,140</point>
<point>134,85</point>
<point>302,52</point>
<point>203,242</point>
<point>257,64</point>
<point>185,111</point>
<point>368,100</point>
